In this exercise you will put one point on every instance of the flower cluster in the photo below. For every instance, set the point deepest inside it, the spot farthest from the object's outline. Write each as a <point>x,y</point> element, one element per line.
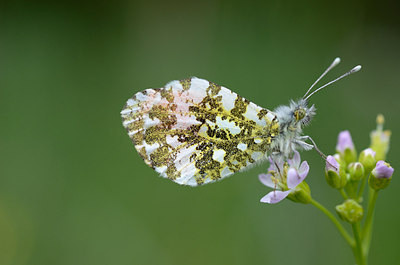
<point>346,171</point>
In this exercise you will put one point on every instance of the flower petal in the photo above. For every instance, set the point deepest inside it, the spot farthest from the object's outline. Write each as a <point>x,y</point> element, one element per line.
<point>275,165</point>
<point>295,161</point>
<point>266,180</point>
<point>293,178</point>
<point>275,196</point>
<point>303,170</point>
<point>369,151</point>
<point>344,141</point>
<point>382,170</point>
<point>331,164</point>
<point>272,167</point>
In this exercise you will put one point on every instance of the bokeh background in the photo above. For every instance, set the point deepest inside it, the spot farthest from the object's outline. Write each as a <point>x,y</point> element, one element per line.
<point>73,189</point>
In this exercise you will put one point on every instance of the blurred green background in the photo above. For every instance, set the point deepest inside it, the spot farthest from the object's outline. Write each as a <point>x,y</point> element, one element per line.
<point>73,189</point>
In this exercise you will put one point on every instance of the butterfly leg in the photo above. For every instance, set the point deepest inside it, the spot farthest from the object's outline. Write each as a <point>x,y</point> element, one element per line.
<point>317,149</point>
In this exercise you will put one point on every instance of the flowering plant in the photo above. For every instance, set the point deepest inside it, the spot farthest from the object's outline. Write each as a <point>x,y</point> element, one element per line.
<point>346,171</point>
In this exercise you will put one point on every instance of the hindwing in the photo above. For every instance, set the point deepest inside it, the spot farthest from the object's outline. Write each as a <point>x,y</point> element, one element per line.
<point>194,131</point>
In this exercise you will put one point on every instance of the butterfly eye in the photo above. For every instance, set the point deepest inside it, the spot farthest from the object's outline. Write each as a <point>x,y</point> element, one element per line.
<point>299,114</point>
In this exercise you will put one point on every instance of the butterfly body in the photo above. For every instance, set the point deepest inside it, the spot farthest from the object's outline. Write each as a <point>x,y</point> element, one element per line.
<point>291,121</point>
<point>194,131</point>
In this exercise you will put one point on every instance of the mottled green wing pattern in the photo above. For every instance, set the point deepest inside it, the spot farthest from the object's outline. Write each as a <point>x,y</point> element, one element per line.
<point>194,132</point>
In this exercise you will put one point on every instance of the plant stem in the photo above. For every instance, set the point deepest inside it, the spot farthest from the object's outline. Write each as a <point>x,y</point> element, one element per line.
<point>361,190</point>
<point>367,231</point>
<point>361,259</point>
<point>338,225</point>
<point>351,189</point>
<point>362,186</point>
<point>344,194</point>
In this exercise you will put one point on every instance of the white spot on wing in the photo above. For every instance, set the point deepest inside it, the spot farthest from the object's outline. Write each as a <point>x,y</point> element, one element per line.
<point>150,148</point>
<point>183,158</point>
<point>225,124</point>
<point>130,102</point>
<point>203,129</point>
<point>251,113</point>
<point>173,141</point>
<point>197,83</point>
<point>242,146</point>
<point>149,122</point>
<point>155,97</point>
<point>161,170</point>
<point>128,122</point>
<point>140,96</point>
<point>176,85</point>
<point>218,155</point>
<point>226,172</point>
<point>187,175</point>
<point>228,98</point>
<point>133,132</point>
<point>129,110</point>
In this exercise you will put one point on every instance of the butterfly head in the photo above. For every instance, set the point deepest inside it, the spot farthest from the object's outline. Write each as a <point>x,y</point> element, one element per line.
<point>301,112</point>
<point>295,116</point>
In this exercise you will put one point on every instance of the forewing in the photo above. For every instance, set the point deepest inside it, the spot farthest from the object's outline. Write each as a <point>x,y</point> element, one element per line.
<point>194,132</point>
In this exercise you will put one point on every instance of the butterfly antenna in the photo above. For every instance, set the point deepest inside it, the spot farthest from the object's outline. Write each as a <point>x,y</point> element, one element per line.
<point>352,71</point>
<point>333,64</point>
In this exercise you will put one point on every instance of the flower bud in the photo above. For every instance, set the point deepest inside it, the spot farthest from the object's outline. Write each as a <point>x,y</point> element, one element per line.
<point>367,158</point>
<point>301,193</point>
<point>356,171</point>
<point>350,211</point>
<point>345,147</point>
<point>380,139</point>
<point>334,173</point>
<point>381,175</point>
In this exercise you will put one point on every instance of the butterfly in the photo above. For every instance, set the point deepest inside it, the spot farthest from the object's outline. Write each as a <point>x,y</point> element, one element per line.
<point>193,131</point>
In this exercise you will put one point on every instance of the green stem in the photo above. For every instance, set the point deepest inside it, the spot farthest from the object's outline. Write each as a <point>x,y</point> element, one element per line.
<point>344,194</point>
<point>367,231</point>
<point>338,225</point>
<point>362,187</point>
<point>351,189</point>
<point>361,190</point>
<point>361,259</point>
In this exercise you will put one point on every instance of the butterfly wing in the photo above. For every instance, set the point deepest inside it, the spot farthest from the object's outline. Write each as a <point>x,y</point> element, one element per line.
<point>194,132</point>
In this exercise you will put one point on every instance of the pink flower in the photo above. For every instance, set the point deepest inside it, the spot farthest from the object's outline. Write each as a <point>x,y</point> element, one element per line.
<point>344,142</point>
<point>334,173</point>
<point>283,178</point>
<point>382,170</point>
<point>381,175</point>
<point>331,164</point>
<point>345,147</point>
